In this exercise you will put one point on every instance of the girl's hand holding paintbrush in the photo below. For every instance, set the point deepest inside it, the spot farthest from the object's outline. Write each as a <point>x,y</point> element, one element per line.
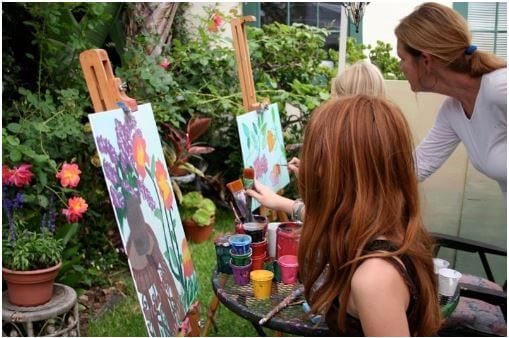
<point>270,199</point>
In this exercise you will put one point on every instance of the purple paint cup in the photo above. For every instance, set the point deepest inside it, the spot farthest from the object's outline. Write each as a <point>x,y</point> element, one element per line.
<point>241,273</point>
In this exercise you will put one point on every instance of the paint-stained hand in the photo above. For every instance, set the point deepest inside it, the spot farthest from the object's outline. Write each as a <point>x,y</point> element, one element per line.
<point>293,165</point>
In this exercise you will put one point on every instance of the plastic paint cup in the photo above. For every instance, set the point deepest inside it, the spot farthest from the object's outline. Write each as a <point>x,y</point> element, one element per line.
<point>448,281</point>
<point>261,281</point>
<point>272,238</point>
<point>258,261</point>
<point>288,266</point>
<point>255,230</point>
<point>223,254</point>
<point>240,243</point>
<point>241,274</point>
<point>439,263</point>
<point>259,248</point>
<point>242,259</point>
<point>288,236</point>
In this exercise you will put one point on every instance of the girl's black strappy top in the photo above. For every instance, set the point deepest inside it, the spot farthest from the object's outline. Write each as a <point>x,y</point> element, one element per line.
<point>353,324</point>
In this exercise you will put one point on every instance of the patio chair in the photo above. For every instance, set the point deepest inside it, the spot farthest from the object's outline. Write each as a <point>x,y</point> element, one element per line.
<point>482,309</point>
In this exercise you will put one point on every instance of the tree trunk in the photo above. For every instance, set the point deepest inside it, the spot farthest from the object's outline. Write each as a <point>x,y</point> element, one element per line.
<point>152,18</point>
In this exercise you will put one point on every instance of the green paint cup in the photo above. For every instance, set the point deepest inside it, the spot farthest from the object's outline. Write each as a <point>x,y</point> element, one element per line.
<point>242,259</point>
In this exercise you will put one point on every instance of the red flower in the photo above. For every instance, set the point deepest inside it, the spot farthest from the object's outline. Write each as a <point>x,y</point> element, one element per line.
<point>20,176</point>
<point>6,174</point>
<point>165,63</point>
<point>69,175</point>
<point>217,21</point>
<point>187,262</point>
<point>163,185</point>
<point>140,153</point>
<point>76,207</point>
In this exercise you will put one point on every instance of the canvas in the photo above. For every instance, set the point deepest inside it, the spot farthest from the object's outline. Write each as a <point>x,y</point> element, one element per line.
<point>261,140</point>
<point>147,215</point>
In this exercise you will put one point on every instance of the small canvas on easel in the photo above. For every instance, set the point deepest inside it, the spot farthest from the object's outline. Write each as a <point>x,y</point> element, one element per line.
<point>261,140</point>
<point>146,212</point>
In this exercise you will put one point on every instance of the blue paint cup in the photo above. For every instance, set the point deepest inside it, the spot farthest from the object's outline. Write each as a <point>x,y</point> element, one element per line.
<point>240,244</point>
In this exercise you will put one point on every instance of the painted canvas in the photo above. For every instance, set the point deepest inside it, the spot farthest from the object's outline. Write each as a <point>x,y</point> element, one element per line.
<point>261,140</point>
<point>147,215</point>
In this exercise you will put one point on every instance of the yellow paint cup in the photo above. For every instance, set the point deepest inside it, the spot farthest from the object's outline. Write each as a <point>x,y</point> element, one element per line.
<point>261,280</point>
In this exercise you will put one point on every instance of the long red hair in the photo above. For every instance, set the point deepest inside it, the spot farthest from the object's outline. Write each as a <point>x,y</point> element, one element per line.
<point>358,182</point>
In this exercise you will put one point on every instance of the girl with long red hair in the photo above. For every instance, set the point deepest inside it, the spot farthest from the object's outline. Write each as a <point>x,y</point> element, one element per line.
<point>365,257</point>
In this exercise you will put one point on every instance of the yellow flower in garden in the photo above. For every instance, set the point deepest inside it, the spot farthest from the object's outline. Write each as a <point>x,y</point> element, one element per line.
<point>187,262</point>
<point>140,154</point>
<point>69,175</point>
<point>163,184</point>
<point>95,160</point>
<point>271,140</point>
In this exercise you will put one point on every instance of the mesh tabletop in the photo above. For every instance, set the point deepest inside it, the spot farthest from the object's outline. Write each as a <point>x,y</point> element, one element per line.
<point>292,319</point>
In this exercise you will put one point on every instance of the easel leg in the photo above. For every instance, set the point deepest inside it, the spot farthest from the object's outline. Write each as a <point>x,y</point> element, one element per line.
<point>213,308</point>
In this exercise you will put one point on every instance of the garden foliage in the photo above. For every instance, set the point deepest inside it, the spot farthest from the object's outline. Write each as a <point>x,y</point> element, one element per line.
<point>45,100</point>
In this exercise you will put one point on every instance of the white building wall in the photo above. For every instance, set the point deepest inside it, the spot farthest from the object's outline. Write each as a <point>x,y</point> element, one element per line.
<point>382,17</point>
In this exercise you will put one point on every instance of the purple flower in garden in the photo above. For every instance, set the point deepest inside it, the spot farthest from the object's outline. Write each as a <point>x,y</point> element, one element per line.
<point>110,172</point>
<point>49,217</point>
<point>260,166</point>
<point>105,147</point>
<point>146,195</point>
<point>10,205</point>
<point>117,198</point>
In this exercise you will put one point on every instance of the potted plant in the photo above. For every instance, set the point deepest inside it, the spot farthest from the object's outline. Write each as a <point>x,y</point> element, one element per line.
<point>179,148</point>
<point>198,216</point>
<point>31,253</point>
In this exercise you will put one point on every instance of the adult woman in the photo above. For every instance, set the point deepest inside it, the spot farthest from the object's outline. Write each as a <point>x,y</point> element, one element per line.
<point>363,235</point>
<point>434,45</point>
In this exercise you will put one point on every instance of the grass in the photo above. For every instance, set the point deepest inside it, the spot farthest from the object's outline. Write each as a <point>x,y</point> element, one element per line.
<point>127,320</point>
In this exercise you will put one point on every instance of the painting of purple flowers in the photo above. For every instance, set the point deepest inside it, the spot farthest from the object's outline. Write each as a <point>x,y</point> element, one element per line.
<point>140,191</point>
<point>261,140</point>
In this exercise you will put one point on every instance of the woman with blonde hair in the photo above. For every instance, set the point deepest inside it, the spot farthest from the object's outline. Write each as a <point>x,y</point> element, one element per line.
<point>363,235</point>
<point>360,78</point>
<point>437,56</point>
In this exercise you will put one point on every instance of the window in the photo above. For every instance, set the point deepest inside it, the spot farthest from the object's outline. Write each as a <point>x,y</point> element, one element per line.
<point>488,23</point>
<point>319,14</point>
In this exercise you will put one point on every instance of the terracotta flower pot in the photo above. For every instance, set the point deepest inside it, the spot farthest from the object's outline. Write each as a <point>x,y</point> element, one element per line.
<point>195,233</point>
<point>30,288</point>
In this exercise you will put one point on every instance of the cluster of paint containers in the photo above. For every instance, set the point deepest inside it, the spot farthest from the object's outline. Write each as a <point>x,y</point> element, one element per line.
<point>260,252</point>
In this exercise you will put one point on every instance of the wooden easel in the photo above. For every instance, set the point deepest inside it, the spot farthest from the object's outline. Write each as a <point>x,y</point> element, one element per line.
<point>105,91</point>
<point>247,84</point>
<point>249,102</point>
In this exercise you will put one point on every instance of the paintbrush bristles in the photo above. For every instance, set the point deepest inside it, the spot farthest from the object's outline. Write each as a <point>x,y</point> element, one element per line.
<point>235,186</point>
<point>248,173</point>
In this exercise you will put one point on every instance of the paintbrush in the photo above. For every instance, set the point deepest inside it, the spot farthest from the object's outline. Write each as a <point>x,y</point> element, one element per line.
<point>237,218</point>
<point>248,175</point>
<point>239,196</point>
<point>286,302</point>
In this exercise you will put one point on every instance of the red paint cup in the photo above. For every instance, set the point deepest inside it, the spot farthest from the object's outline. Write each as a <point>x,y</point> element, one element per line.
<point>258,262</point>
<point>259,248</point>
<point>287,241</point>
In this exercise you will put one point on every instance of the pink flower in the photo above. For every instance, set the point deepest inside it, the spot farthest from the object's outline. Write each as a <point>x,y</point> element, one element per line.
<point>76,207</point>
<point>165,63</point>
<point>6,174</point>
<point>20,176</point>
<point>217,21</point>
<point>69,175</point>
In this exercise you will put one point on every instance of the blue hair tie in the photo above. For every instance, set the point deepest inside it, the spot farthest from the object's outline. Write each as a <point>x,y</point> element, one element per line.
<point>471,49</point>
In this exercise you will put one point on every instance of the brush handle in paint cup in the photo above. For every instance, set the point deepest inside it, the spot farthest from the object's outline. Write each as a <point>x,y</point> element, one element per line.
<point>448,280</point>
